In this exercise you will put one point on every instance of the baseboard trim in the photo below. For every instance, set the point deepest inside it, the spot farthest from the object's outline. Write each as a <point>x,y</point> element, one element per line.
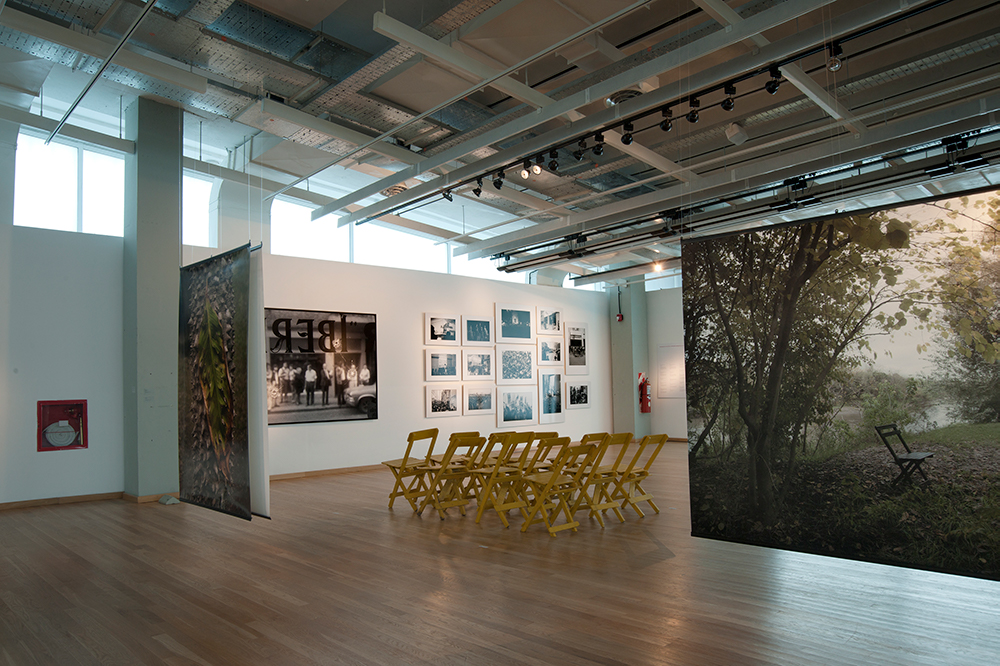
<point>146,499</point>
<point>49,501</point>
<point>324,472</point>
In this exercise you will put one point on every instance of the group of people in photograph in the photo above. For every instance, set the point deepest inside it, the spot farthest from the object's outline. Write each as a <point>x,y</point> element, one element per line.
<point>292,382</point>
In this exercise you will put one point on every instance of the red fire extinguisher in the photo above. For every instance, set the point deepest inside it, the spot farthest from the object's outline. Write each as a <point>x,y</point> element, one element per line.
<point>644,394</point>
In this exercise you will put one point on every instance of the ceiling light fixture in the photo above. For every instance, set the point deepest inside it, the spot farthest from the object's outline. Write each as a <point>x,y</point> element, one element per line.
<point>729,103</point>
<point>835,63</point>
<point>526,169</point>
<point>692,115</point>
<point>498,181</point>
<point>627,137</point>
<point>599,144</point>
<point>536,169</point>
<point>553,163</point>
<point>448,196</point>
<point>772,85</point>
<point>479,187</point>
<point>667,123</point>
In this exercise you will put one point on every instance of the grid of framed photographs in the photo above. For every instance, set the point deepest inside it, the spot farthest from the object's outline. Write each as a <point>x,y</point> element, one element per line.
<point>514,364</point>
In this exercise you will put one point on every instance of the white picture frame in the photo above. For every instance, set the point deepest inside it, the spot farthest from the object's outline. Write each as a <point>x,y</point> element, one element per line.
<point>443,400</point>
<point>514,324</point>
<point>478,365</point>
<point>576,349</point>
<point>479,399</point>
<point>550,351</point>
<point>577,394</point>
<point>442,365</point>
<point>515,364</point>
<point>550,397</point>
<point>477,331</point>
<point>548,320</point>
<point>442,329</point>
<point>517,406</point>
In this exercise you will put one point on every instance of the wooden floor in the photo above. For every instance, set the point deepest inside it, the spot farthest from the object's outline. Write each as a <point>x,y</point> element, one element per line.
<point>336,578</point>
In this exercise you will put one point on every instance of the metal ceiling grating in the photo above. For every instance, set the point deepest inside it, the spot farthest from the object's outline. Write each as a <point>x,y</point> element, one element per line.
<point>332,60</point>
<point>175,7</point>
<point>84,13</point>
<point>254,27</point>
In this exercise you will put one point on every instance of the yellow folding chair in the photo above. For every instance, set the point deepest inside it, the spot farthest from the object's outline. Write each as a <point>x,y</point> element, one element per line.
<point>409,471</point>
<point>628,483</point>
<point>499,489</point>
<point>554,490</point>
<point>595,493</point>
<point>455,435</point>
<point>447,485</point>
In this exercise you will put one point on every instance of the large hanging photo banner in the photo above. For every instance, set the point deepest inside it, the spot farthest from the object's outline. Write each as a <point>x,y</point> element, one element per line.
<point>321,366</point>
<point>804,346</point>
<point>214,324</point>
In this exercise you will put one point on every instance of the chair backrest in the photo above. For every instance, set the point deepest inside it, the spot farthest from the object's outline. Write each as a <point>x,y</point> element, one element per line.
<point>496,439</point>
<point>461,447</point>
<point>657,442</point>
<point>522,439</point>
<point>891,430</point>
<point>623,440</point>
<point>429,435</point>
<point>573,461</point>
<point>634,469</point>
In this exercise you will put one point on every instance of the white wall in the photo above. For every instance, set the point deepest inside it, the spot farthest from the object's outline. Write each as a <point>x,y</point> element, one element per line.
<point>400,298</point>
<point>64,342</point>
<point>665,317</point>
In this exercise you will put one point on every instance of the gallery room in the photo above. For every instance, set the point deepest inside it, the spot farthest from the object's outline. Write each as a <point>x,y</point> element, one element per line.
<point>499,331</point>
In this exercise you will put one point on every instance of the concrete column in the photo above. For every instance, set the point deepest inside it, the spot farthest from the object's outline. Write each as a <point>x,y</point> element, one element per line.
<point>150,296</point>
<point>629,357</point>
<point>238,215</point>
<point>8,144</point>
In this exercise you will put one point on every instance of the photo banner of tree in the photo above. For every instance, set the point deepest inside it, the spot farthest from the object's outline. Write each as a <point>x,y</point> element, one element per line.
<point>213,427</point>
<point>799,340</point>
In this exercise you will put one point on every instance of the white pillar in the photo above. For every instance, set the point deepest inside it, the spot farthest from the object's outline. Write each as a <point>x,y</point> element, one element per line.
<point>629,357</point>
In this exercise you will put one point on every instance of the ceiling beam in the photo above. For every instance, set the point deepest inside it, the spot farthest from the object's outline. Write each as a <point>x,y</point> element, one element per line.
<point>99,48</point>
<point>677,58</point>
<point>727,16</point>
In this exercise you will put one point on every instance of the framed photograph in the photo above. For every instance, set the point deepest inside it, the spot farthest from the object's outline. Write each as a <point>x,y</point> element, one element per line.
<point>548,321</point>
<point>514,324</point>
<point>441,365</point>
<point>321,366</point>
<point>62,425</point>
<point>479,399</point>
<point>477,331</point>
<point>441,329</point>
<point>478,364</point>
<point>576,349</point>
<point>443,400</point>
<point>577,395</point>
<point>517,364</point>
<point>518,406</point>
<point>550,351</point>
<point>550,397</point>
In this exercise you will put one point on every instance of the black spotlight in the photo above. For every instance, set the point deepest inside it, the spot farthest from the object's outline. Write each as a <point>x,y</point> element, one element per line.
<point>729,103</point>
<point>627,137</point>
<point>692,115</point>
<point>498,181</point>
<point>599,138</point>
<point>578,154</point>
<point>479,187</point>
<point>667,123</point>
<point>448,196</point>
<point>835,63</point>
<point>598,149</point>
<point>553,165</point>
<point>772,85</point>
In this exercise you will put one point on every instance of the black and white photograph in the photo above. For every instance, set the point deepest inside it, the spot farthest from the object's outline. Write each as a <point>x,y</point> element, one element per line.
<point>550,398</point>
<point>443,400</point>
<point>477,365</point>
<point>322,366</point>
<point>479,399</point>
<point>477,331</point>
<point>517,407</point>
<point>514,324</point>
<point>441,365</point>
<point>549,321</point>
<point>441,329</point>
<point>517,364</point>
<point>577,395</point>
<point>550,351</point>
<point>576,349</point>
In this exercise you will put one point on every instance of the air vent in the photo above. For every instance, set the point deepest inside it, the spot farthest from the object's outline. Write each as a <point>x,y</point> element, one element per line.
<point>394,190</point>
<point>620,96</point>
